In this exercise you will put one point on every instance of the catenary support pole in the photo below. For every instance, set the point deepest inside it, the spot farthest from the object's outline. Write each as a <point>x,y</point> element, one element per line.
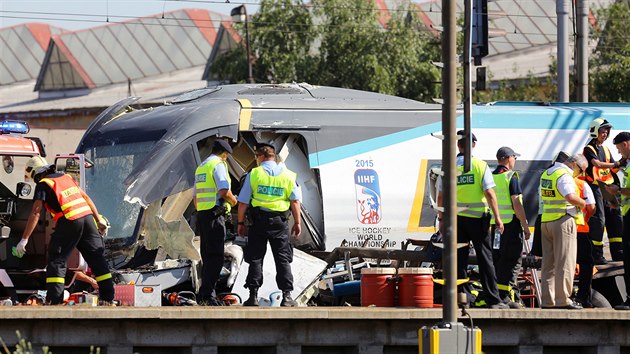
<point>449,76</point>
<point>582,50</point>
<point>562,12</point>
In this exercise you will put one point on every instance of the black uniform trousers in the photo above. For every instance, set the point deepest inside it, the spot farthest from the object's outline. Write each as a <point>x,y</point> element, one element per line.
<point>82,234</point>
<point>596,223</point>
<point>507,259</point>
<point>269,226</point>
<point>614,230</point>
<point>212,239</point>
<point>586,263</point>
<point>626,252</point>
<point>477,231</point>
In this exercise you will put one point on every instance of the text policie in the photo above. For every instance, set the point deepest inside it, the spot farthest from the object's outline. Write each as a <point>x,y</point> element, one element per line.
<point>373,235</point>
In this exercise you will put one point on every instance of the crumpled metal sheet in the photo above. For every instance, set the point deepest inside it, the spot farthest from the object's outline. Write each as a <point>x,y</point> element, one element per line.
<point>165,226</point>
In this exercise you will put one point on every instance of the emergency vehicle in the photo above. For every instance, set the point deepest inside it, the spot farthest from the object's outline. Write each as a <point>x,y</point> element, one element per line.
<point>15,205</point>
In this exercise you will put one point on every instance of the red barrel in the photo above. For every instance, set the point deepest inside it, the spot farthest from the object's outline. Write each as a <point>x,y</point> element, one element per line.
<point>415,288</point>
<point>378,287</point>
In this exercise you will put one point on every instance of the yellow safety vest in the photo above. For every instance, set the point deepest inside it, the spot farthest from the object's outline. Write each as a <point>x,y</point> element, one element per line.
<point>625,200</point>
<point>470,190</point>
<point>554,204</point>
<point>504,200</point>
<point>271,192</point>
<point>205,187</point>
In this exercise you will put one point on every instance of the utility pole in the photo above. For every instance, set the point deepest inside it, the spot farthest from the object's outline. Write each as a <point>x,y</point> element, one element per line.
<point>450,336</point>
<point>562,12</point>
<point>582,50</point>
<point>449,153</point>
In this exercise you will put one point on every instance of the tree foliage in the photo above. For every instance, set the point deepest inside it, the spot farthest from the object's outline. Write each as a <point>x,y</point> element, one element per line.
<point>339,43</point>
<point>610,64</point>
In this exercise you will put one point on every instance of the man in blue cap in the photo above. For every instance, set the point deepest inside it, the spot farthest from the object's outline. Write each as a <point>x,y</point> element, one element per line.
<point>213,200</point>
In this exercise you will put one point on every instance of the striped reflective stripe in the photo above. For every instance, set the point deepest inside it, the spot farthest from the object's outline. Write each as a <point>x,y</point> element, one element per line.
<point>72,203</point>
<point>598,243</point>
<point>556,210</point>
<point>554,202</point>
<point>103,277</point>
<point>206,190</point>
<point>504,287</point>
<point>615,239</point>
<point>82,210</point>
<point>55,280</point>
<point>207,199</point>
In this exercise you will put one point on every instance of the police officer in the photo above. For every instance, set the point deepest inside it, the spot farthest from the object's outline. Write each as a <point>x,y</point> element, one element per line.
<point>601,166</point>
<point>507,259</point>
<point>622,142</point>
<point>272,191</point>
<point>213,200</point>
<point>475,194</point>
<point>75,215</point>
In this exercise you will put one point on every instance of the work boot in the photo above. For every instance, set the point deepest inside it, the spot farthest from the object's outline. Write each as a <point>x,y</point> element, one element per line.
<point>253,298</point>
<point>287,300</point>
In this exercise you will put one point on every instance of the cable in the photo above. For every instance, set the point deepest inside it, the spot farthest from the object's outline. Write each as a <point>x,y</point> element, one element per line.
<point>472,328</point>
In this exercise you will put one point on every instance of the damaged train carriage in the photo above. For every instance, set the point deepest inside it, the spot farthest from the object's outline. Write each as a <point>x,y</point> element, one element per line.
<point>366,162</point>
<point>144,163</point>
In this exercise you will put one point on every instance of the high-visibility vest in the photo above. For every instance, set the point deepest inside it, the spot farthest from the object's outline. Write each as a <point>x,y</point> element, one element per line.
<point>554,204</point>
<point>73,205</point>
<point>470,195</point>
<point>583,228</point>
<point>205,188</point>
<point>271,192</point>
<point>504,200</point>
<point>625,200</point>
<point>600,173</point>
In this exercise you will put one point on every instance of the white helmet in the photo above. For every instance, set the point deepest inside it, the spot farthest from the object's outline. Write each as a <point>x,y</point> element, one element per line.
<point>596,125</point>
<point>32,166</point>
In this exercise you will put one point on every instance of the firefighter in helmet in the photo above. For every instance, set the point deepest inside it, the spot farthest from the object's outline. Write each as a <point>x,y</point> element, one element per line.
<point>600,171</point>
<point>75,215</point>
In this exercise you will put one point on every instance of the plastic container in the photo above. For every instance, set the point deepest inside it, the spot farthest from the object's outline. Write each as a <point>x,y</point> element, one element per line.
<point>415,288</point>
<point>378,287</point>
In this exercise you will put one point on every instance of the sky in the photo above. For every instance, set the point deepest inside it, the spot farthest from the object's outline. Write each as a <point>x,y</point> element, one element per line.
<point>79,14</point>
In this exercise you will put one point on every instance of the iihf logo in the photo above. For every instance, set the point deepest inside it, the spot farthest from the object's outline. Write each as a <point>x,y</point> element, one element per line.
<point>368,196</point>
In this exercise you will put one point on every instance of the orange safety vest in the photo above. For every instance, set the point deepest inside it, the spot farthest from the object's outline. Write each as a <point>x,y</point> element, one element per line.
<point>580,187</point>
<point>73,205</point>
<point>601,174</point>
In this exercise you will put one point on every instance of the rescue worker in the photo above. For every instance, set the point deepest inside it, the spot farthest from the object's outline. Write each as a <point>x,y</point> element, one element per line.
<point>475,194</point>
<point>213,199</point>
<point>75,215</point>
<point>585,246</point>
<point>601,166</point>
<point>272,191</point>
<point>507,259</point>
<point>562,208</point>
<point>622,142</point>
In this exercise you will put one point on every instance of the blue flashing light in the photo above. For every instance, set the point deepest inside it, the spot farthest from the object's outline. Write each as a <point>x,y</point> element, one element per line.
<point>13,126</point>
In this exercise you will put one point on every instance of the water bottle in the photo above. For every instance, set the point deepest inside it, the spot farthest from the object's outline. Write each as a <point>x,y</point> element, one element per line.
<point>496,244</point>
